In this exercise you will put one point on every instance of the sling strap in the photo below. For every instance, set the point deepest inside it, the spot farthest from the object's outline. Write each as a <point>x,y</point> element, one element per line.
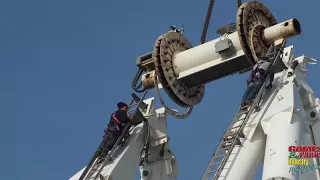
<point>257,73</point>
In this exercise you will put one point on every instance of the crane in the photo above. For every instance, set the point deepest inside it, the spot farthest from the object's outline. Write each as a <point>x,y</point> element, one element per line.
<point>263,133</point>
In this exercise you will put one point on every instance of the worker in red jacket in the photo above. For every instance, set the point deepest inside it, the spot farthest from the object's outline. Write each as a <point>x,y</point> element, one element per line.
<point>118,121</point>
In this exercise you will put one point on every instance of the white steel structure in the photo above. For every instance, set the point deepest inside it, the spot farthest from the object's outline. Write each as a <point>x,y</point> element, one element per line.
<point>288,114</point>
<point>161,161</point>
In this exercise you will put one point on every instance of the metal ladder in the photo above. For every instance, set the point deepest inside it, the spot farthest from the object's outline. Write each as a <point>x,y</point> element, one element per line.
<point>230,140</point>
<point>94,168</point>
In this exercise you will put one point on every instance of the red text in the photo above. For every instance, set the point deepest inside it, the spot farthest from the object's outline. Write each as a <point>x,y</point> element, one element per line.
<point>304,148</point>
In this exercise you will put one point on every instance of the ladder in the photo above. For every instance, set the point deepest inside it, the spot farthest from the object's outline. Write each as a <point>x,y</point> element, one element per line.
<point>234,133</point>
<point>97,163</point>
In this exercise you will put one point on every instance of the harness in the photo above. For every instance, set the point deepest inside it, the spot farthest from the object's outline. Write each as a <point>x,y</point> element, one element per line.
<point>258,73</point>
<point>114,122</point>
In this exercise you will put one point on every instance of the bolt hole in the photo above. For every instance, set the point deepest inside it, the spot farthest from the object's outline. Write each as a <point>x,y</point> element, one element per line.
<point>286,54</point>
<point>145,173</point>
<point>312,114</point>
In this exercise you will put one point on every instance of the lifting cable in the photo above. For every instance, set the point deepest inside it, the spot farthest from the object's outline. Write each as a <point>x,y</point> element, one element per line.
<point>239,3</point>
<point>206,23</point>
<point>208,17</point>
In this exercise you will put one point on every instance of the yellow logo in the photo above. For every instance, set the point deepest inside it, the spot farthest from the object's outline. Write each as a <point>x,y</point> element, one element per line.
<point>294,161</point>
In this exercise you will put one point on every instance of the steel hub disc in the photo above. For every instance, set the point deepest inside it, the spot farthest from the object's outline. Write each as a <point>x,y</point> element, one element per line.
<point>165,48</point>
<point>252,18</point>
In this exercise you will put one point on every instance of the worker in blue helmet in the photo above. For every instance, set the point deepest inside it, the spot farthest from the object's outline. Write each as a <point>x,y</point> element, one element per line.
<point>118,121</point>
<point>261,70</point>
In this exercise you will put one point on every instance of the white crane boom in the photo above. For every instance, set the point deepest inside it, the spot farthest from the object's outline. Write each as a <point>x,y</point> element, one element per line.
<point>287,115</point>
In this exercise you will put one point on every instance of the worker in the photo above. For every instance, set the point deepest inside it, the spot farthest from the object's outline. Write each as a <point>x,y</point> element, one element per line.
<point>174,29</point>
<point>258,75</point>
<point>118,121</point>
<point>293,66</point>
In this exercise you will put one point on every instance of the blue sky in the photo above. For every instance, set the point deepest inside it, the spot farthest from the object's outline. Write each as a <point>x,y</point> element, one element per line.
<point>65,64</point>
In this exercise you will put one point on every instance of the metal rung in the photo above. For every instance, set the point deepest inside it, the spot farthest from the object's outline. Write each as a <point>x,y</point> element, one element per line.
<point>131,111</point>
<point>220,156</point>
<point>213,171</point>
<point>229,138</point>
<point>227,146</point>
<point>235,140</point>
<point>241,134</point>
<point>226,138</point>
<point>135,97</point>
<point>237,120</point>
<point>236,127</point>
<point>243,112</point>
<point>240,113</point>
<point>133,105</point>
<point>216,163</point>
<point>271,53</point>
<point>220,149</point>
<point>210,178</point>
<point>225,142</point>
